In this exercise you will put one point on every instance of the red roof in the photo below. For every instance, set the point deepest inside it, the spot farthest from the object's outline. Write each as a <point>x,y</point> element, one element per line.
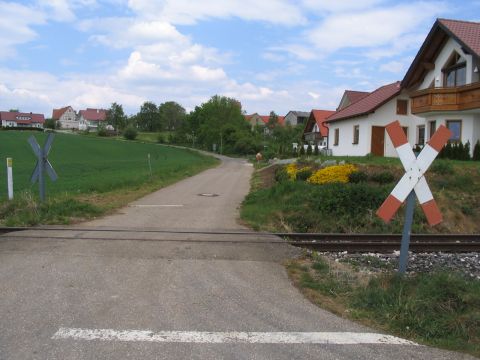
<point>57,113</point>
<point>466,32</point>
<point>354,96</point>
<point>320,117</point>
<point>94,114</point>
<point>369,103</point>
<point>22,118</point>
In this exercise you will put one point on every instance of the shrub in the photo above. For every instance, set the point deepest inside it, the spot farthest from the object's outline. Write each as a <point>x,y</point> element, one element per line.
<point>304,173</point>
<point>358,177</point>
<point>281,174</point>
<point>49,124</point>
<point>101,131</point>
<point>160,139</point>
<point>130,133</point>
<point>476,151</point>
<point>309,150</point>
<point>291,170</point>
<point>331,174</point>
<point>316,150</point>
<point>383,177</point>
<point>302,150</point>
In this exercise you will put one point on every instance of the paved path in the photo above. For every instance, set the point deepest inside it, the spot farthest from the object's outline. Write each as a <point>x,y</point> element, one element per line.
<point>102,295</point>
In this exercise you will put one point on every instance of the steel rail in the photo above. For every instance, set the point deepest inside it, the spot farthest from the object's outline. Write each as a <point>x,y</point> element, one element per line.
<point>319,242</point>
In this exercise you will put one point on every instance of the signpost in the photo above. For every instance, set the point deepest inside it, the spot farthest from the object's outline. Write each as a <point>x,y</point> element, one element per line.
<point>10,178</point>
<point>413,182</point>
<point>43,165</point>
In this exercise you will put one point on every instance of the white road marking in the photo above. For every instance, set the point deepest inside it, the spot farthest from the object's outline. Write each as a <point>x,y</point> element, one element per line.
<point>204,337</point>
<point>153,205</point>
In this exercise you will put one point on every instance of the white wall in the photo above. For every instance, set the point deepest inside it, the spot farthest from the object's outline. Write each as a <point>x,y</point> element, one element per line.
<point>384,115</point>
<point>442,58</point>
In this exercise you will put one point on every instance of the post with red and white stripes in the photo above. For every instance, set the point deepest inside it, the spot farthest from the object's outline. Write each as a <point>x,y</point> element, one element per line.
<point>413,181</point>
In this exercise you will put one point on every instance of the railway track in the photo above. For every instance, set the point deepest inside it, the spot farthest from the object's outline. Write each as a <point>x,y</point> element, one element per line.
<point>318,242</point>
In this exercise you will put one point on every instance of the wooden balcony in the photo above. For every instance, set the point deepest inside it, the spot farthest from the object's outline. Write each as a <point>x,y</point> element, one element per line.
<point>465,97</point>
<point>312,136</point>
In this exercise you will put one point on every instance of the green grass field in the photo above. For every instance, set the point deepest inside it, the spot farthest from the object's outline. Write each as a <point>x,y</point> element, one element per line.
<point>86,164</point>
<point>95,175</point>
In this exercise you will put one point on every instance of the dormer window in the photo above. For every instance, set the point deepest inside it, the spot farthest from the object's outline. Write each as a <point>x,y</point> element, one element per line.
<point>455,71</point>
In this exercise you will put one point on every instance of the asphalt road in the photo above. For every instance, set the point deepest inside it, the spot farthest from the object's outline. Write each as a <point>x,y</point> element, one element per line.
<point>199,286</point>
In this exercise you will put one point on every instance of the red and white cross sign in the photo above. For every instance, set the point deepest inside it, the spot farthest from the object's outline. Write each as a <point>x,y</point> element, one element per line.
<point>415,168</point>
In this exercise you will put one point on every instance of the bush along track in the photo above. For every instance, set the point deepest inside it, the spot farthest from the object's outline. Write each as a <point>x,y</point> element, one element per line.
<point>313,197</point>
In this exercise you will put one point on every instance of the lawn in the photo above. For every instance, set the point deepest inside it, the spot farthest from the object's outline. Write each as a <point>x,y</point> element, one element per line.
<point>89,166</point>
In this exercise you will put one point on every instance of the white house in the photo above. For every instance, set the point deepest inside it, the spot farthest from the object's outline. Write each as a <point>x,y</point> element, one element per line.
<point>90,119</point>
<point>359,128</point>
<point>18,119</point>
<point>66,118</point>
<point>443,81</point>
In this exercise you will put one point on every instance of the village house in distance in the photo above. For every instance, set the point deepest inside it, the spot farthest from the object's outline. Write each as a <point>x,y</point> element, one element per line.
<point>85,120</point>
<point>17,119</point>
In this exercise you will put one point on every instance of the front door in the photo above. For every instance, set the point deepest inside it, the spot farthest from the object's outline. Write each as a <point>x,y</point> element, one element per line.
<point>378,140</point>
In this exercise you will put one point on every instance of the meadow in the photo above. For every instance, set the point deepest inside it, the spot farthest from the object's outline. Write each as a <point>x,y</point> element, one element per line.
<point>92,168</point>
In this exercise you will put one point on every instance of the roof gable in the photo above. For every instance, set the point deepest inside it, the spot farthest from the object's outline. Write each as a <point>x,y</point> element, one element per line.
<point>369,103</point>
<point>57,113</point>
<point>351,96</point>
<point>318,117</point>
<point>466,33</point>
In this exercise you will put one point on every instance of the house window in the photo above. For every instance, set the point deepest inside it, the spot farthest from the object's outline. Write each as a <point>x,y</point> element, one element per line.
<point>432,128</point>
<point>455,72</point>
<point>356,134</point>
<point>455,126</point>
<point>421,135</point>
<point>402,107</point>
<point>337,136</point>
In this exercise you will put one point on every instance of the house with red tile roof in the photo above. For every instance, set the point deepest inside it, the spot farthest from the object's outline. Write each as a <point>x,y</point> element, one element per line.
<point>66,118</point>
<point>315,132</point>
<point>359,128</point>
<point>90,119</point>
<point>443,81</point>
<point>19,119</point>
<point>351,96</point>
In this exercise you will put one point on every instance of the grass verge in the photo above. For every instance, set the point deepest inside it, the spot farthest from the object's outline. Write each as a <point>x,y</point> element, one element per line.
<point>440,309</point>
<point>96,176</point>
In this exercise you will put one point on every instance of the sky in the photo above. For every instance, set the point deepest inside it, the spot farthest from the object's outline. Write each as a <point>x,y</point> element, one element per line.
<point>278,55</point>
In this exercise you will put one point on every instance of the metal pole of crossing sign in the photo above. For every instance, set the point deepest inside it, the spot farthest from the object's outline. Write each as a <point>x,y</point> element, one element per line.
<point>407,231</point>
<point>10,178</point>
<point>43,165</point>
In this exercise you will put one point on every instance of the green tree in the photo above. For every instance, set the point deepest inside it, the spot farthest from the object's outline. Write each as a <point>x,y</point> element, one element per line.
<point>172,115</point>
<point>272,121</point>
<point>218,121</point>
<point>116,117</point>
<point>148,118</point>
<point>49,124</point>
<point>476,151</point>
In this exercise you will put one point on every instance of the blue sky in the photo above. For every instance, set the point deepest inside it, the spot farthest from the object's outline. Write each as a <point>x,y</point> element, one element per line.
<point>276,55</point>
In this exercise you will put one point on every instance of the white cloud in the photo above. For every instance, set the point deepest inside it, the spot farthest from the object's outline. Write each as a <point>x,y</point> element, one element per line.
<point>188,12</point>
<point>323,6</point>
<point>16,23</point>
<point>372,28</point>
<point>396,67</point>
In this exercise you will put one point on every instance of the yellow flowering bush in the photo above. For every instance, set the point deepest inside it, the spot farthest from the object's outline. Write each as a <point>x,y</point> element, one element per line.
<point>293,171</point>
<point>331,174</point>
